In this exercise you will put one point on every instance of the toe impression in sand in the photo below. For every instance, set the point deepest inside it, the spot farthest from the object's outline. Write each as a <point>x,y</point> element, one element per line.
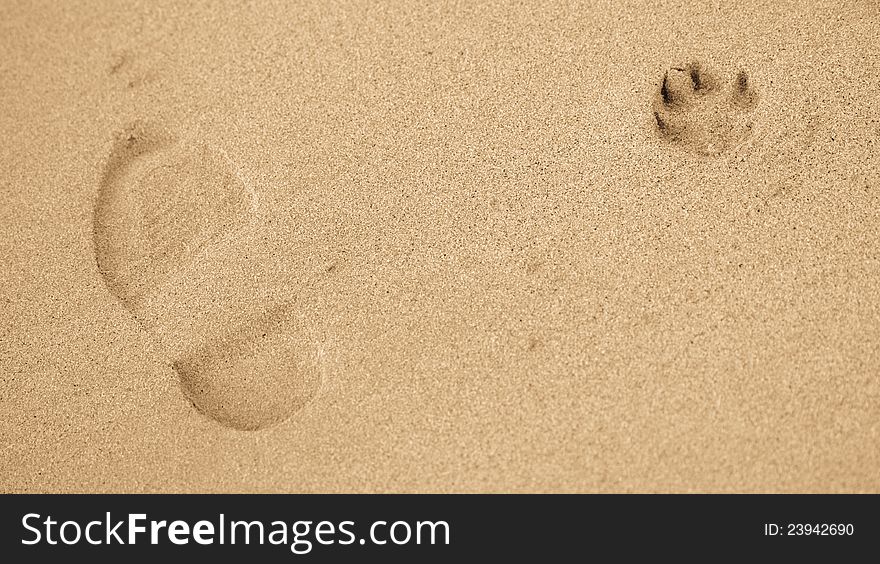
<point>693,110</point>
<point>162,203</point>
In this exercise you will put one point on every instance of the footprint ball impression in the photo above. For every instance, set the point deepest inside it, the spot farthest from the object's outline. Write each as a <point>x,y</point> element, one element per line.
<point>163,204</point>
<point>695,111</point>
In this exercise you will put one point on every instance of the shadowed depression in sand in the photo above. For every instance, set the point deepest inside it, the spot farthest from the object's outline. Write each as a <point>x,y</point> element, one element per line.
<point>162,203</point>
<point>695,111</point>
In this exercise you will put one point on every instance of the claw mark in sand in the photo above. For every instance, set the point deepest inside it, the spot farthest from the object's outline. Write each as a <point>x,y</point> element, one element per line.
<point>692,110</point>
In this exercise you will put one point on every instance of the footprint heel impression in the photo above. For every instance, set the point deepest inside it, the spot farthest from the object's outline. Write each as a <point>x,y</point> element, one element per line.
<point>254,379</point>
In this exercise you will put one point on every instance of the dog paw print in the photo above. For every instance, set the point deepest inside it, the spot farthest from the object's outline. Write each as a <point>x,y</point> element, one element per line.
<point>696,111</point>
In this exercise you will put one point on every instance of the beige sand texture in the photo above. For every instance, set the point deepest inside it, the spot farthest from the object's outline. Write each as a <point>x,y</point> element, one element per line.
<point>440,247</point>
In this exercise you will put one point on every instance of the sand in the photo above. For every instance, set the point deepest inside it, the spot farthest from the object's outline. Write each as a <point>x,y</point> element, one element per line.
<point>464,247</point>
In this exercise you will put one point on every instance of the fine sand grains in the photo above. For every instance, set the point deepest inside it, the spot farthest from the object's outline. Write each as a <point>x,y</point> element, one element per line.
<point>555,246</point>
<point>162,202</point>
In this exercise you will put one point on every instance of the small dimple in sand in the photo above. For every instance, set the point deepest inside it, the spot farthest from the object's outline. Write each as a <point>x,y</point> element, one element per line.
<point>694,110</point>
<point>163,203</point>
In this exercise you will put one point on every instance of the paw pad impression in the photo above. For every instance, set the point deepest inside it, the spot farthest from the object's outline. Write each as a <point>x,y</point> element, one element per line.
<point>695,110</point>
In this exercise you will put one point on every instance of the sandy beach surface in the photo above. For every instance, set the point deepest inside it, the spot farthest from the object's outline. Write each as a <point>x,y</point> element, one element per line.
<point>440,247</point>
